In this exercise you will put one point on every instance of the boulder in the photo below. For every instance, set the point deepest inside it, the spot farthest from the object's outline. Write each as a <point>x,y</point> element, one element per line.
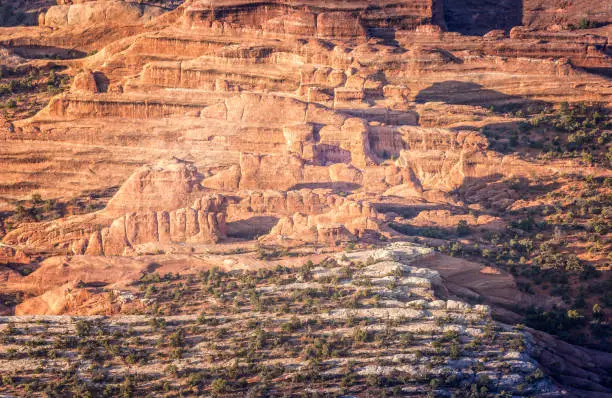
<point>85,82</point>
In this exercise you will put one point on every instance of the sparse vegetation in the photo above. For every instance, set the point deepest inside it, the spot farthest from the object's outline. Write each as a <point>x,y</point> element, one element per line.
<point>24,91</point>
<point>458,146</point>
<point>289,327</point>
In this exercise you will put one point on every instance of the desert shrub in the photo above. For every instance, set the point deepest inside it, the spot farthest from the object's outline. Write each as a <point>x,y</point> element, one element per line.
<point>555,321</point>
<point>218,386</point>
<point>454,351</point>
<point>177,339</point>
<point>7,380</point>
<point>455,249</point>
<point>360,335</point>
<point>147,278</point>
<point>526,224</point>
<point>517,344</point>
<point>83,328</point>
<point>128,388</point>
<point>291,326</point>
<point>428,232</point>
<point>463,229</point>
<point>584,23</point>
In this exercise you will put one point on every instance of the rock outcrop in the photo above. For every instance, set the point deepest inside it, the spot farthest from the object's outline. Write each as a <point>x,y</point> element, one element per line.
<point>288,124</point>
<point>56,236</point>
<point>346,221</point>
<point>107,12</point>
<point>284,88</point>
<point>280,96</point>
<point>384,288</point>
<point>204,222</point>
<point>308,18</point>
<point>85,82</point>
<point>9,255</point>
<point>166,185</point>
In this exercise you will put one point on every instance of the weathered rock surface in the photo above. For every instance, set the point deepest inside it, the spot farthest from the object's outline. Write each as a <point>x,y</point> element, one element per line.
<point>85,82</point>
<point>167,185</point>
<point>345,221</point>
<point>9,255</point>
<point>296,119</point>
<point>108,12</point>
<point>340,101</point>
<point>185,225</point>
<point>402,304</point>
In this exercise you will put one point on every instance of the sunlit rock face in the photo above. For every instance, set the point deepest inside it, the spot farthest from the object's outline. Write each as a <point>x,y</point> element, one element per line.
<point>265,164</point>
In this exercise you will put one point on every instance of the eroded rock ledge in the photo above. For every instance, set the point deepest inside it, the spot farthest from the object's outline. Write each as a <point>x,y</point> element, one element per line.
<point>385,294</point>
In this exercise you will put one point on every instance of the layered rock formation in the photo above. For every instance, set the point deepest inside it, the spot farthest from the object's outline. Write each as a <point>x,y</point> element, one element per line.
<point>346,221</point>
<point>202,223</point>
<point>309,18</point>
<point>150,210</point>
<point>110,13</point>
<point>388,291</point>
<point>9,255</point>
<point>166,185</point>
<point>243,125</point>
<point>282,96</point>
<point>342,101</point>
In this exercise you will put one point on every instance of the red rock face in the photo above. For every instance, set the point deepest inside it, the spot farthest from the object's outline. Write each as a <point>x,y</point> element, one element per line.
<point>303,124</point>
<point>311,18</point>
<point>547,13</point>
<point>281,94</point>
<point>345,221</point>
<point>167,185</point>
<point>178,226</point>
<point>9,255</point>
<point>85,82</point>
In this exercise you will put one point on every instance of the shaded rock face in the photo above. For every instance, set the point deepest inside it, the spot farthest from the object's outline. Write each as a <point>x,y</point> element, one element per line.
<point>478,17</point>
<point>542,14</point>
<point>583,369</point>
<point>481,16</point>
